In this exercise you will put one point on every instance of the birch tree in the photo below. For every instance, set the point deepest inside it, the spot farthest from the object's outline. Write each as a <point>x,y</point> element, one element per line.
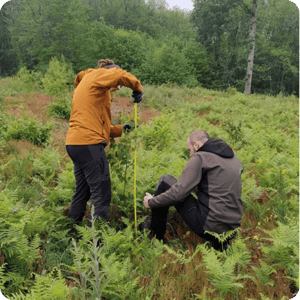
<point>251,53</point>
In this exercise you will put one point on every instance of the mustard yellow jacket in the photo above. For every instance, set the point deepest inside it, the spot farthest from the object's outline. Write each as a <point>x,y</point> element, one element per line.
<point>90,121</point>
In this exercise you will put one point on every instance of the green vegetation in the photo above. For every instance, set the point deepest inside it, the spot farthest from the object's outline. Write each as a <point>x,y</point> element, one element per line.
<point>206,47</point>
<point>44,255</point>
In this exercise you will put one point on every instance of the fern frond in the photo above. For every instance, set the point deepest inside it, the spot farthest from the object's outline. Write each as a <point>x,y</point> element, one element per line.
<point>286,235</point>
<point>263,273</point>
<point>221,269</point>
<point>181,255</point>
<point>225,235</point>
<point>263,297</point>
<point>295,275</point>
<point>3,278</point>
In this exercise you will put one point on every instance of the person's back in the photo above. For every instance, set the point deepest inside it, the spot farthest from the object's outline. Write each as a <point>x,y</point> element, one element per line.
<point>219,191</point>
<point>90,120</point>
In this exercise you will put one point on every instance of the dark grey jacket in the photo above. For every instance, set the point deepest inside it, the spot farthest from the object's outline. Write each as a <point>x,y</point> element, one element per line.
<point>214,174</point>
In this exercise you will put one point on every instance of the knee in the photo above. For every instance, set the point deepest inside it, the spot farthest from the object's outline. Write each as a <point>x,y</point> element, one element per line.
<point>167,178</point>
<point>163,178</point>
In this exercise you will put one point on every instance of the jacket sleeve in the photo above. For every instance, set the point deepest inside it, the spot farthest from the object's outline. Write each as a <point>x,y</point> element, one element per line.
<point>113,78</point>
<point>187,182</point>
<point>128,80</point>
<point>80,75</point>
<point>116,131</point>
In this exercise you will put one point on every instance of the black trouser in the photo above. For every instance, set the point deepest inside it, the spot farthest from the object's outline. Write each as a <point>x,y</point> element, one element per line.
<point>187,208</point>
<point>92,177</point>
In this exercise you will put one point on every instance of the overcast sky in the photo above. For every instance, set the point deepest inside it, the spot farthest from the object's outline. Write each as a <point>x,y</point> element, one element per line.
<point>188,4</point>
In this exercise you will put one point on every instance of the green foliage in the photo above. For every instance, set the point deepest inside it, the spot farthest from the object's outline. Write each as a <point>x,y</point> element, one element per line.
<point>284,253</point>
<point>151,17</point>
<point>58,77</point>
<point>8,58</point>
<point>20,252</point>
<point>166,64</point>
<point>208,45</point>
<point>121,162</point>
<point>234,131</point>
<point>263,297</point>
<point>50,286</point>
<point>198,61</point>
<point>45,30</point>
<point>64,190</point>
<point>35,236</point>
<point>264,272</point>
<point>158,133</point>
<point>26,81</point>
<point>61,108</point>
<point>128,49</point>
<point>181,255</point>
<point>3,123</point>
<point>224,236</point>
<point>221,266</point>
<point>223,29</point>
<point>114,279</point>
<point>47,164</point>
<point>124,92</point>
<point>28,129</point>
<point>231,91</point>
<point>3,278</point>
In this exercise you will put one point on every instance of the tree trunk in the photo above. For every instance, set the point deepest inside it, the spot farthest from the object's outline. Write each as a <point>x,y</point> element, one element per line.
<point>251,53</point>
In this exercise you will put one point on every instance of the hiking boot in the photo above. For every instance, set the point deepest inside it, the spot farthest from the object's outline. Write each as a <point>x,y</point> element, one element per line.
<point>219,246</point>
<point>145,225</point>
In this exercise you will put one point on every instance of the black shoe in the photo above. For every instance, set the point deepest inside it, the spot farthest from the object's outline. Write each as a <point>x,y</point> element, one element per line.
<point>145,225</point>
<point>220,246</point>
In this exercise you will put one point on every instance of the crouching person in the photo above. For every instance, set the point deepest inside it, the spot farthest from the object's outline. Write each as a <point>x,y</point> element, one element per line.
<point>213,173</point>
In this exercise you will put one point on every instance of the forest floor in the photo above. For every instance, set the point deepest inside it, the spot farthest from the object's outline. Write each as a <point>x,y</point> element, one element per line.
<point>35,105</point>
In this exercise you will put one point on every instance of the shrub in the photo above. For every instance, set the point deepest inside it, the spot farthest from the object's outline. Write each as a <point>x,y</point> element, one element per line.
<point>124,92</point>
<point>28,129</point>
<point>26,81</point>
<point>231,91</point>
<point>58,78</point>
<point>47,164</point>
<point>158,133</point>
<point>61,109</point>
<point>234,131</point>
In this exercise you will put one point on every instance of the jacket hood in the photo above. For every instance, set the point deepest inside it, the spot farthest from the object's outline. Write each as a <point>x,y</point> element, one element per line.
<point>217,146</point>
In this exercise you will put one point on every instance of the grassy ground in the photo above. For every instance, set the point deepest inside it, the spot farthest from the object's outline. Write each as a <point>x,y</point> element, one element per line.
<point>37,183</point>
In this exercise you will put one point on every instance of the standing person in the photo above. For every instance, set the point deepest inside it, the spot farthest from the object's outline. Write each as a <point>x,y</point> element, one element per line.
<point>89,132</point>
<point>214,174</point>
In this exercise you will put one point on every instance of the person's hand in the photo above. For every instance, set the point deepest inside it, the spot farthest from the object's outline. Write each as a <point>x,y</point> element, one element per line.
<point>115,89</point>
<point>137,96</point>
<point>146,200</point>
<point>129,127</point>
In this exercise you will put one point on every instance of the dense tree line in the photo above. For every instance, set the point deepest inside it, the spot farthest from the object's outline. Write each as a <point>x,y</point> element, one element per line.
<point>207,46</point>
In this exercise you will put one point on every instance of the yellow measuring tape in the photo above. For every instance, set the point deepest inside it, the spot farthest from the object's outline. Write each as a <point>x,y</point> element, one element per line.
<point>135,221</point>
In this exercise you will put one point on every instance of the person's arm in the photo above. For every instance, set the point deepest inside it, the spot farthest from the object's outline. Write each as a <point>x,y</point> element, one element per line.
<point>116,131</point>
<point>128,80</point>
<point>112,78</point>
<point>188,180</point>
<point>80,75</point>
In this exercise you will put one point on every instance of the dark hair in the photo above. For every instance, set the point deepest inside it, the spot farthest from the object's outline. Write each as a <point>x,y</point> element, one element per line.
<point>107,64</point>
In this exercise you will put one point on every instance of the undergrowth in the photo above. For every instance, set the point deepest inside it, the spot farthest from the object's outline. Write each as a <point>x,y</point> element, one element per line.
<point>44,255</point>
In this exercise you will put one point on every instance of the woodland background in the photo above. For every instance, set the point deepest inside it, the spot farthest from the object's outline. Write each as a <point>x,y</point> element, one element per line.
<point>207,46</point>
